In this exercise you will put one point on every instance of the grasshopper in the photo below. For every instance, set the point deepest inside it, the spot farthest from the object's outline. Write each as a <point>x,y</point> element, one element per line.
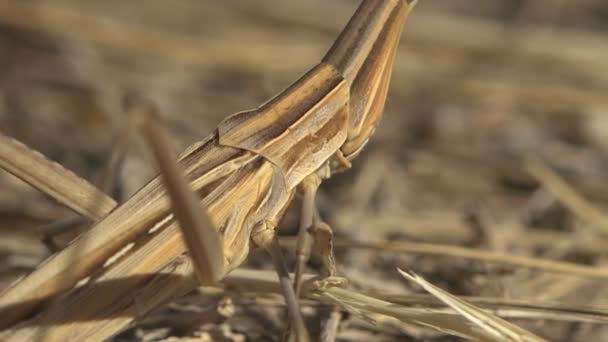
<point>245,174</point>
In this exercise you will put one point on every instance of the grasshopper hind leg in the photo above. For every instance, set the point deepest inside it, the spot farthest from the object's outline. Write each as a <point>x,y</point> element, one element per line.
<point>312,229</point>
<point>323,238</point>
<point>313,234</point>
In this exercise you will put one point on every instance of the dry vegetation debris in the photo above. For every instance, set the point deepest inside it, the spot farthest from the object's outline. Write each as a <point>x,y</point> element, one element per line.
<point>488,176</point>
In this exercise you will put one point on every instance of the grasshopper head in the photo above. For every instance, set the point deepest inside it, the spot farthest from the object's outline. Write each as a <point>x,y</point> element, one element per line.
<point>364,54</point>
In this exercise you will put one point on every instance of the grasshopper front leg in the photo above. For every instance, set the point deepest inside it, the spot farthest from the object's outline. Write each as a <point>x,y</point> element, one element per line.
<point>309,188</point>
<point>364,55</point>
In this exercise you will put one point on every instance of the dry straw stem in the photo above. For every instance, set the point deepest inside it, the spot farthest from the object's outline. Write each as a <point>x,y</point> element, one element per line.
<point>53,179</point>
<point>78,195</point>
<point>566,194</point>
<point>468,253</point>
<point>370,309</point>
<point>502,307</point>
<point>509,308</point>
<point>200,236</point>
<point>495,328</point>
<point>373,310</point>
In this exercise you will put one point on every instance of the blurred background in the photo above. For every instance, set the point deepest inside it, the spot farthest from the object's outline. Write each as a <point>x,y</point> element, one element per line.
<point>494,137</point>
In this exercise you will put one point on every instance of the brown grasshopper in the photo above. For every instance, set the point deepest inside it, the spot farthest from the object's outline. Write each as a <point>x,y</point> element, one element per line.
<point>245,174</point>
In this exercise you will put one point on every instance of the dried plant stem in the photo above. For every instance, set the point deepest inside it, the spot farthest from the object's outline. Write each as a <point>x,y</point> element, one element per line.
<point>565,268</point>
<point>330,328</point>
<point>200,236</point>
<point>496,328</point>
<point>48,231</point>
<point>106,181</point>
<point>566,194</point>
<point>250,284</point>
<point>54,180</point>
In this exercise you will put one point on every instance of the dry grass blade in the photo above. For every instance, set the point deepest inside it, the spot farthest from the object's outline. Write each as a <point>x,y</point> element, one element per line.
<point>561,267</point>
<point>528,309</point>
<point>203,241</point>
<point>496,328</point>
<point>368,308</point>
<point>331,326</point>
<point>511,308</point>
<point>54,180</point>
<point>59,273</point>
<point>576,203</point>
<point>408,308</point>
<point>70,190</point>
<point>375,310</point>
